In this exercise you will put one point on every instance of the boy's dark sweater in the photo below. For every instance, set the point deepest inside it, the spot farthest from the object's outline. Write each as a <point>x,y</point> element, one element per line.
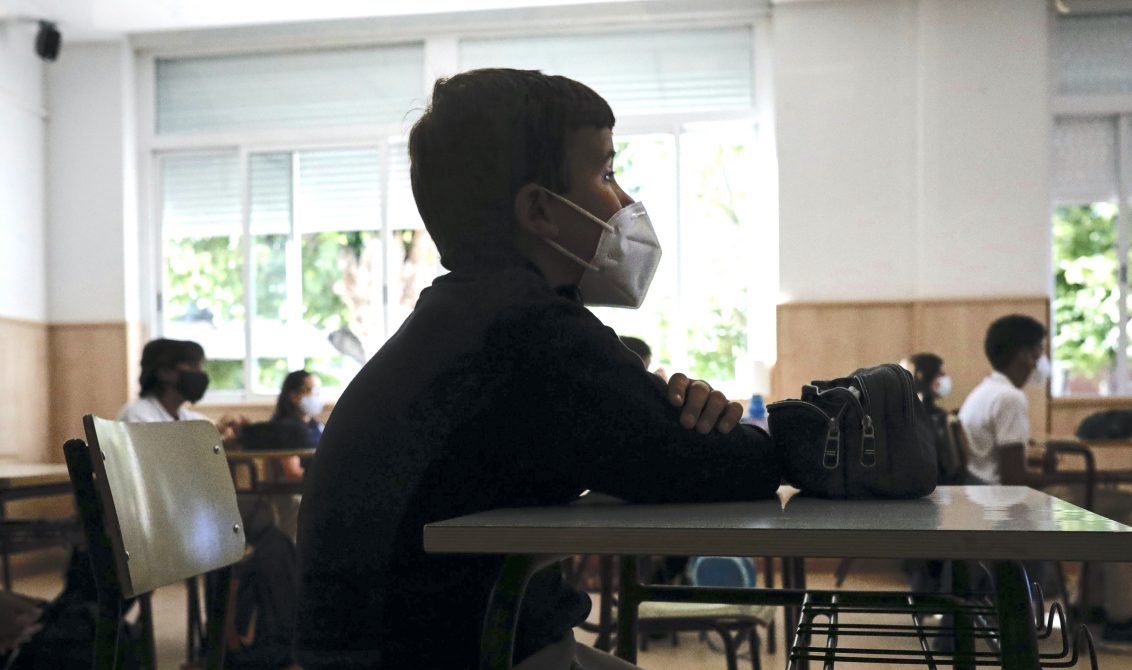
<point>498,391</point>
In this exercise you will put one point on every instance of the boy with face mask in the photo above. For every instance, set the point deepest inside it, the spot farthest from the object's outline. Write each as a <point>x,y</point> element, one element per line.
<point>503,390</point>
<point>996,413</point>
<point>171,376</point>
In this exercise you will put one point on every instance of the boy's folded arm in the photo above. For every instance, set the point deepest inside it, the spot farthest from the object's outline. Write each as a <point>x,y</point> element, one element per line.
<point>620,432</point>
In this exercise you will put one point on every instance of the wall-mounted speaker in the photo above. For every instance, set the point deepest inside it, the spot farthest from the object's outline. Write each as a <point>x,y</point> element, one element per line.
<point>48,41</point>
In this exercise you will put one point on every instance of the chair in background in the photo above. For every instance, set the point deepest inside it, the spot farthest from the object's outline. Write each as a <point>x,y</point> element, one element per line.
<point>158,506</point>
<point>733,623</point>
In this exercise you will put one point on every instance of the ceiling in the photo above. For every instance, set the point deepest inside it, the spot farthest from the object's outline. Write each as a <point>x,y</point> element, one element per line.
<point>85,20</point>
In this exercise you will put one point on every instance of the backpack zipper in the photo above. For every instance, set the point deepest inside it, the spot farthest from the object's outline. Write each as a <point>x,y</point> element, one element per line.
<point>868,434</point>
<point>831,454</point>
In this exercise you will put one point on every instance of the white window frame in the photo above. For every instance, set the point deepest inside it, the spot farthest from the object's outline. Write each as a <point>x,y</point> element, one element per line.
<point>441,58</point>
<point>1118,109</point>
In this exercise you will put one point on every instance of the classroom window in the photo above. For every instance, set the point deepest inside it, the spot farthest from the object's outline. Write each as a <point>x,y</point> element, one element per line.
<point>288,234</point>
<point>1092,178</point>
<point>687,142</point>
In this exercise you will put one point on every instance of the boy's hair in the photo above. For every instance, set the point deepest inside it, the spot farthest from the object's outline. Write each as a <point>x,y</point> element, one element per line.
<point>486,134</point>
<point>637,346</point>
<point>1009,335</point>
<point>162,353</point>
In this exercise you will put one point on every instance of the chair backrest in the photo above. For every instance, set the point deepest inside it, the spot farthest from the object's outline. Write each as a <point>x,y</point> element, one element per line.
<point>721,571</point>
<point>167,500</point>
<point>953,462</point>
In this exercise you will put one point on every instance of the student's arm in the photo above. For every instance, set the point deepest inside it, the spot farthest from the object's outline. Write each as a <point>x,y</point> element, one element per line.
<point>615,430</point>
<point>1011,435</point>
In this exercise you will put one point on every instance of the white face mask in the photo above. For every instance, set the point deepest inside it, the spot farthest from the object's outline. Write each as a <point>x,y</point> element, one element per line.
<point>1040,374</point>
<point>624,260</point>
<point>311,405</point>
<point>944,389</point>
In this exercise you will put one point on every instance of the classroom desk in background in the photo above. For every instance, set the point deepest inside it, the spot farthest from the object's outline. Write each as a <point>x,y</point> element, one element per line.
<point>22,481</point>
<point>1002,524</point>
<point>250,469</point>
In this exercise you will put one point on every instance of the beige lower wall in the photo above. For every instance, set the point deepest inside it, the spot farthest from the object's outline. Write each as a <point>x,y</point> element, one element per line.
<point>823,340</point>
<point>24,391</point>
<point>90,373</point>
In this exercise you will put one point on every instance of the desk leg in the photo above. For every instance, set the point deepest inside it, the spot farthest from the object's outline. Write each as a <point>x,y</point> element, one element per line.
<point>960,586</point>
<point>627,605</point>
<point>793,577</point>
<point>497,646</point>
<point>1015,617</point>
<point>6,566</point>
<point>605,615</point>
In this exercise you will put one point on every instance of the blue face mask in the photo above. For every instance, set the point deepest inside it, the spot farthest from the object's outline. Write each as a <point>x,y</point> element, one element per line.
<point>624,261</point>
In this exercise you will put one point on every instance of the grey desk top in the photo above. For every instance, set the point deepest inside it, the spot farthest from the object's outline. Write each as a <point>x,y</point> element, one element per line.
<point>15,475</point>
<point>955,522</point>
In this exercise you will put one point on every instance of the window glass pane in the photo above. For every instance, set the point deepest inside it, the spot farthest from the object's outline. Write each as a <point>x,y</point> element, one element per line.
<point>1085,299</point>
<point>202,269</point>
<point>1092,54</point>
<point>338,189</point>
<point>718,246</point>
<point>297,89</point>
<point>200,195</point>
<point>343,319</point>
<point>645,167</point>
<point>1084,159</point>
<point>413,259</point>
<point>644,72</point>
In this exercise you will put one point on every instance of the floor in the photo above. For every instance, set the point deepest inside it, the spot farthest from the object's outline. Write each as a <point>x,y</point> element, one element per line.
<point>42,578</point>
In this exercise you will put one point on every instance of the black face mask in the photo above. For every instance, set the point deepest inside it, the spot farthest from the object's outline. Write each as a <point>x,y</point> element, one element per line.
<point>192,385</point>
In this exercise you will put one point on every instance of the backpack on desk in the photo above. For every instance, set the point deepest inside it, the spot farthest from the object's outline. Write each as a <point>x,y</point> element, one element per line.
<point>862,436</point>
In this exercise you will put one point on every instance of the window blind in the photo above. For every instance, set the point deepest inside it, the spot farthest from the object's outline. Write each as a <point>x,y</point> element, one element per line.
<point>338,189</point>
<point>200,195</point>
<point>1092,55</point>
<point>1084,160</point>
<point>637,72</point>
<point>305,89</point>
<point>270,176</point>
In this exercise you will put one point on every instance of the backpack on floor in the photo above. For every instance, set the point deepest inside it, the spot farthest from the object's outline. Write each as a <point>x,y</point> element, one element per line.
<point>66,639</point>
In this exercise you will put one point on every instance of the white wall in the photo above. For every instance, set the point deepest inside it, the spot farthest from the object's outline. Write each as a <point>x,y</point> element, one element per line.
<point>23,293</point>
<point>92,260</point>
<point>913,145</point>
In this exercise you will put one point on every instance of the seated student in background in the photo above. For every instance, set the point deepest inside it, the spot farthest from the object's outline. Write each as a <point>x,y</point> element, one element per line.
<point>642,349</point>
<point>300,402</point>
<point>512,172</point>
<point>933,384</point>
<point>171,377</point>
<point>996,413</point>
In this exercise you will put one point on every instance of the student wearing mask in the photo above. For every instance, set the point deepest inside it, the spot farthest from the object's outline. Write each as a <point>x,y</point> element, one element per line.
<point>512,172</point>
<point>171,378</point>
<point>933,384</point>
<point>996,413</point>
<point>642,349</point>
<point>300,401</point>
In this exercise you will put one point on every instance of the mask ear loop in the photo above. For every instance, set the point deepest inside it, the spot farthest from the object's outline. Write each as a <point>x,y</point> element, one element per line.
<point>563,250</point>
<point>571,255</point>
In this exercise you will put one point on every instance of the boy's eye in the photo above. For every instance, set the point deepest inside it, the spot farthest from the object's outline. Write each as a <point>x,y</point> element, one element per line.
<point>607,176</point>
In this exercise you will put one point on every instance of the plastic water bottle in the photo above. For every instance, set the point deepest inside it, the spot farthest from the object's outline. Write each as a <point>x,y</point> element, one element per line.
<point>756,413</point>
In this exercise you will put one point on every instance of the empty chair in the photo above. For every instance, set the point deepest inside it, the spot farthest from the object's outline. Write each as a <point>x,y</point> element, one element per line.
<point>158,506</point>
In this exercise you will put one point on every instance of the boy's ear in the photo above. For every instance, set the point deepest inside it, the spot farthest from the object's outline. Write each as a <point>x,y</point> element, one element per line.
<point>531,213</point>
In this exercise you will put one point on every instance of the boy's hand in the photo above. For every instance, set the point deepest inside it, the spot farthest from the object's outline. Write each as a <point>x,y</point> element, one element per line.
<point>703,408</point>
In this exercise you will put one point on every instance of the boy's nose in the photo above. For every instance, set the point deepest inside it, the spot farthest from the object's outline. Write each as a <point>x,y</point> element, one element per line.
<point>624,198</point>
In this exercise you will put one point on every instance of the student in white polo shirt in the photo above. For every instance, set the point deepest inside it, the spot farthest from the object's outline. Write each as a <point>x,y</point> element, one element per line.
<point>996,412</point>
